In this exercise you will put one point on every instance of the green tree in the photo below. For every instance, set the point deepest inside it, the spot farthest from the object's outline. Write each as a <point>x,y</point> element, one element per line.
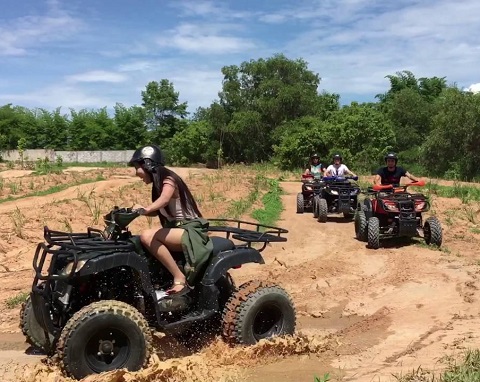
<point>298,139</point>
<point>131,127</point>
<point>10,127</point>
<point>92,130</point>
<point>163,110</point>
<point>261,95</point>
<point>452,147</point>
<point>362,133</point>
<point>191,144</point>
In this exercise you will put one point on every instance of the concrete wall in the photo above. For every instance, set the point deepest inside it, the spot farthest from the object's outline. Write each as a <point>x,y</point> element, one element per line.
<point>28,155</point>
<point>114,156</point>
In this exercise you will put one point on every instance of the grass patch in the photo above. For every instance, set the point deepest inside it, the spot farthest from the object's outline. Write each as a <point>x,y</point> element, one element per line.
<point>14,301</point>
<point>103,164</point>
<point>54,189</point>
<point>272,202</point>
<point>240,207</point>
<point>466,371</point>
<point>463,192</point>
<point>474,230</point>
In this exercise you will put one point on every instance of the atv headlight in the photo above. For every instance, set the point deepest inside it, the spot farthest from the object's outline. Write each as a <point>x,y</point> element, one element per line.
<point>308,188</point>
<point>68,268</point>
<point>390,206</point>
<point>334,192</point>
<point>420,205</point>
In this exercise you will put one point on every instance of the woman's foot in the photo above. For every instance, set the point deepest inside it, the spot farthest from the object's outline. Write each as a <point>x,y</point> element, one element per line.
<point>177,287</point>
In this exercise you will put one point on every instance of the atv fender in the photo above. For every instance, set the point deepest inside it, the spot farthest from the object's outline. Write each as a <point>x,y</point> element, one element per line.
<point>218,267</point>
<point>229,259</point>
<point>118,259</point>
<point>367,208</point>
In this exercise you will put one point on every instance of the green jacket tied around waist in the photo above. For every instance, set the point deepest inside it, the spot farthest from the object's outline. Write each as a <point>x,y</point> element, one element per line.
<point>197,246</point>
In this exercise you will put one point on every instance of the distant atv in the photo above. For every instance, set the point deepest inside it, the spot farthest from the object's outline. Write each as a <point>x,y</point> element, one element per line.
<point>339,195</point>
<point>393,212</point>
<point>310,195</point>
<point>97,295</point>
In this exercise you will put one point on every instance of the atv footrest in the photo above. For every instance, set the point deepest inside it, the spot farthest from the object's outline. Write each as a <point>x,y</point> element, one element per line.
<point>188,320</point>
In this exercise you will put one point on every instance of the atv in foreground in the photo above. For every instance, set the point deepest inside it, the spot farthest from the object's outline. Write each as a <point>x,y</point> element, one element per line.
<point>390,211</point>
<point>339,195</point>
<point>310,195</point>
<point>97,296</point>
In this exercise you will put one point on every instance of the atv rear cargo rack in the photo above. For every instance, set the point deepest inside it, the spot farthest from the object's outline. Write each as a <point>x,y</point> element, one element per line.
<point>260,234</point>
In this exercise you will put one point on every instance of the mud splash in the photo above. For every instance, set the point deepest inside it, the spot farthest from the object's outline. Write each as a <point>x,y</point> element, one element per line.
<point>217,362</point>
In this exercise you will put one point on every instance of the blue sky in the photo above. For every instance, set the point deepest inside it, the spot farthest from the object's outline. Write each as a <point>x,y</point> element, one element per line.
<point>95,53</point>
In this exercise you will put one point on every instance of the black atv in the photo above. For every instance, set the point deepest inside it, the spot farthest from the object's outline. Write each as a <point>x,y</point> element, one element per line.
<point>310,195</point>
<point>97,296</point>
<point>390,211</point>
<point>339,195</point>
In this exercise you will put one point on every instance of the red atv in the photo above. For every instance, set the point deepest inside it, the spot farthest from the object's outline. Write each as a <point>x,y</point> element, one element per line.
<point>391,211</point>
<point>310,195</point>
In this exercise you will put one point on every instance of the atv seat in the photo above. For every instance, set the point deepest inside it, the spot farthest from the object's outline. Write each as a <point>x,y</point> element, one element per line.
<point>221,244</point>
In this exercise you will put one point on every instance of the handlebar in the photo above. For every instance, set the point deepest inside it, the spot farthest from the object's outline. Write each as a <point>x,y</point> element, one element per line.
<point>339,178</point>
<point>383,187</point>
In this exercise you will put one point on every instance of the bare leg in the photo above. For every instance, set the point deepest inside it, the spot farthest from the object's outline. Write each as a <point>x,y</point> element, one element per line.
<point>158,242</point>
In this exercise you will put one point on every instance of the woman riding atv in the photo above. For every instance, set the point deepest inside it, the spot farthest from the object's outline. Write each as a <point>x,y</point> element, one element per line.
<point>183,229</point>
<point>314,168</point>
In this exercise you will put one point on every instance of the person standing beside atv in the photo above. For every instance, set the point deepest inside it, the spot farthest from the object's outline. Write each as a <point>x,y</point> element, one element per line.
<point>391,173</point>
<point>183,229</point>
<point>314,168</point>
<point>338,168</point>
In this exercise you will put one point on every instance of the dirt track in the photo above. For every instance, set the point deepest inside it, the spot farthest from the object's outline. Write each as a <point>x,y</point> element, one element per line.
<point>388,310</point>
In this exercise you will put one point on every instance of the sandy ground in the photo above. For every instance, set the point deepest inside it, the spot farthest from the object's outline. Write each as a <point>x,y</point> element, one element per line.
<point>363,314</point>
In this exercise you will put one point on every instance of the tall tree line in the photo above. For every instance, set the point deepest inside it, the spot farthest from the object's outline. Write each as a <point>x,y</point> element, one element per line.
<point>271,110</point>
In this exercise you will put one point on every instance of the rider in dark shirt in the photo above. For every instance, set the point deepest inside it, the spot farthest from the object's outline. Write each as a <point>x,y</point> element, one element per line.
<point>392,174</point>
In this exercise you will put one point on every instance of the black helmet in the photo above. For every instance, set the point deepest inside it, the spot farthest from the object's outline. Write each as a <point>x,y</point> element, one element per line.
<point>391,156</point>
<point>150,156</point>
<point>337,156</point>
<point>314,155</point>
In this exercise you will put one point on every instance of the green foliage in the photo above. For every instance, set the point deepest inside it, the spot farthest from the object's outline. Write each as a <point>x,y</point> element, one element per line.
<point>298,140</point>
<point>17,300</point>
<point>455,137</point>
<point>272,202</point>
<point>466,371</point>
<point>163,110</point>
<point>191,144</point>
<point>44,166</point>
<point>258,97</point>
<point>325,378</point>
<point>272,109</point>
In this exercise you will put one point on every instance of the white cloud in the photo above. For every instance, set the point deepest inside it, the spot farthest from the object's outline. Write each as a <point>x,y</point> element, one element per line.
<point>28,32</point>
<point>136,66</point>
<point>355,50</point>
<point>204,39</point>
<point>474,88</point>
<point>58,95</point>
<point>200,8</point>
<point>97,76</point>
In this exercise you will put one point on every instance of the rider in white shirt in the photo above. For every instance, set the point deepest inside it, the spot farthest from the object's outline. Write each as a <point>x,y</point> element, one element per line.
<point>338,168</point>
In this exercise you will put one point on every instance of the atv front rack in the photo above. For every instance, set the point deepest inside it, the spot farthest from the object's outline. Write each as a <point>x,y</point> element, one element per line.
<point>65,247</point>
<point>260,234</point>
